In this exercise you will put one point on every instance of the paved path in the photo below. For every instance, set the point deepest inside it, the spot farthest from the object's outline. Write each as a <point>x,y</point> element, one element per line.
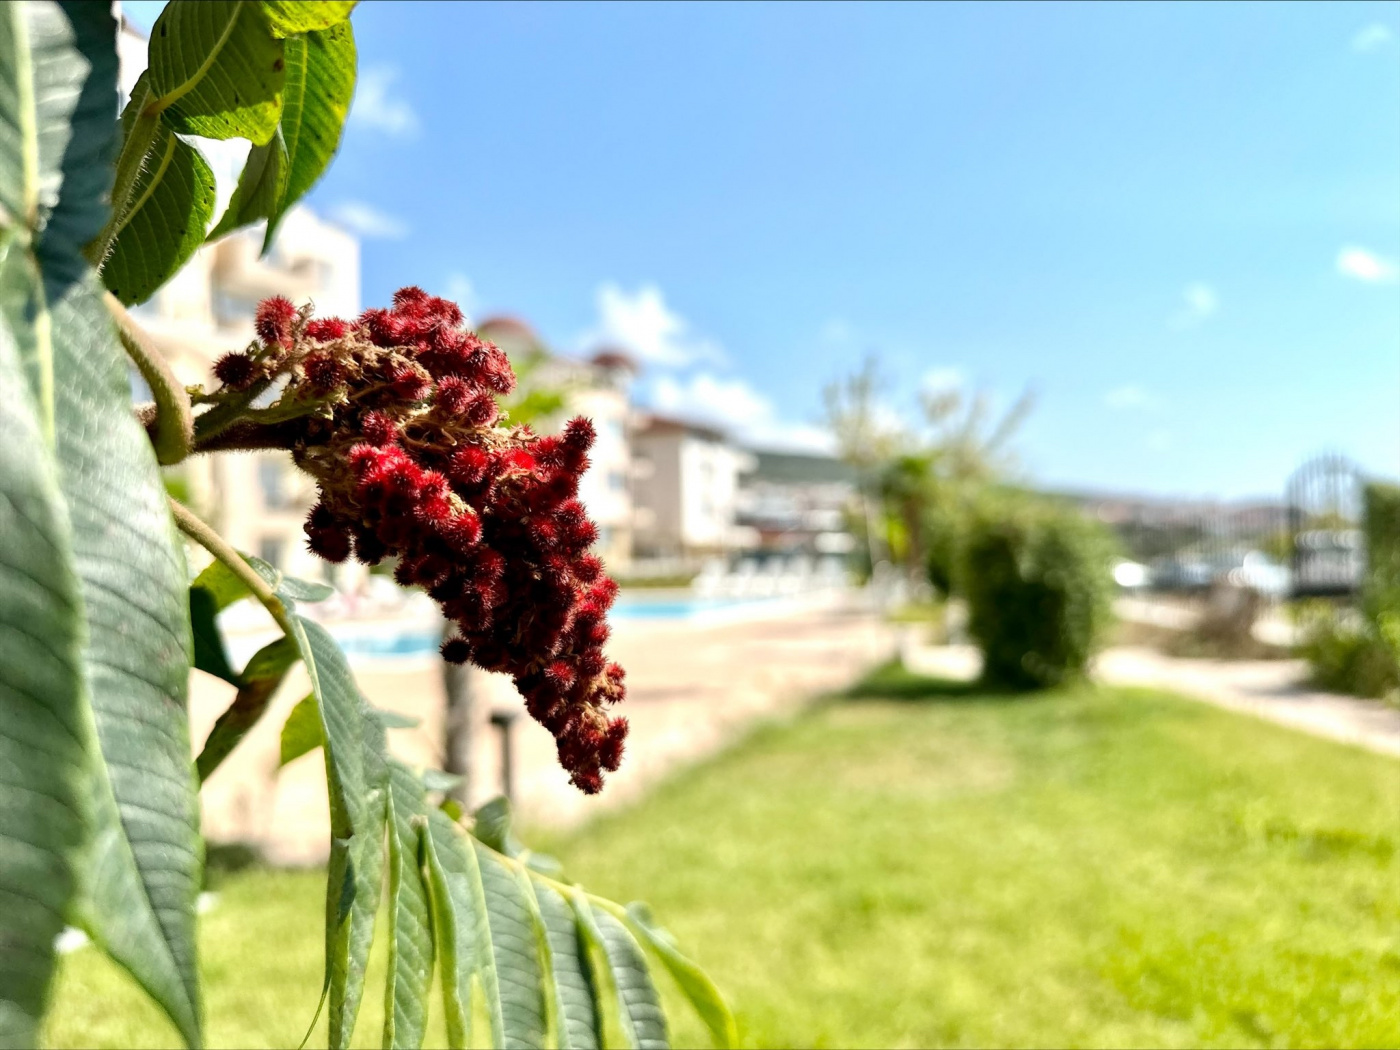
<point>692,689</point>
<point>1272,689</point>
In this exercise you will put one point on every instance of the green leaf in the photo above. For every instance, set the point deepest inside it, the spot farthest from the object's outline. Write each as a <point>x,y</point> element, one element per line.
<point>57,137</point>
<point>288,17</point>
<point>227,587</point>
<point>301,733</point>
<point>394,720</point>
<point>209,654</point>
<point>216,70</point>
<point>42,716</point>
<point>571,980</point>
<point>57,90</point>
<point>515,948</point>
<point>437,780</point>
<point>256,686</point>
<point>345,718</point>
<point>316,101</point>
<point>222,584</point>
<point>138,659</point>
<point>627,1001</point>
<point>492,826</point>
<point>353,886</point>
<point>410,924</point>
<point>693,982</point>
<point>261,185</point>
<point>357,778</point>
<point>289,587</point>
<point>164,223</point>
<point>460,929</point>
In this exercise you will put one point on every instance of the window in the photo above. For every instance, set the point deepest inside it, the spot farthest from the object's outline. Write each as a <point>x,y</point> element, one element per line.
<point>272,479</point>
<point>271,549</point>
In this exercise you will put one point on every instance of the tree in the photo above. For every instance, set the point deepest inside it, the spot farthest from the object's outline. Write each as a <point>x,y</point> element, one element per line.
<point>963,454</point>
<point>916,486</point>
<point>866,438</point>
<point>100,625</point>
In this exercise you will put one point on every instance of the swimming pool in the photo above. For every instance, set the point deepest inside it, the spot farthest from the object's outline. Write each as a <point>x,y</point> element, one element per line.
<point>405,641</point>
<point>631,607</point>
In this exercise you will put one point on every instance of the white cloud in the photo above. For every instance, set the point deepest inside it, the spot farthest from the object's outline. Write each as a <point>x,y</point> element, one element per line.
<point>1374,37</point>
<point>943,380</point>
<point>1363,265</point>
<point>732,405</point>
<point>641,323</point>
<point>376,107</point>
<point>708,398</point>
<point>368,221</point>
<point>790,437</point>
<point>1199,302</point>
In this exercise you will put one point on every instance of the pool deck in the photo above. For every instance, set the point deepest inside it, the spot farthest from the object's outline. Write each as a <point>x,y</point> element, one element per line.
<point>693,686</point>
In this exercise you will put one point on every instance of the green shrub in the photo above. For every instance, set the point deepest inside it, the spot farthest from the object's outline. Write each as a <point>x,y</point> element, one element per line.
<point>943,526</point>
<point>1038,587</point>
<point>1359,652</point>
<point>1382,528</point>
<point>1349,654</point>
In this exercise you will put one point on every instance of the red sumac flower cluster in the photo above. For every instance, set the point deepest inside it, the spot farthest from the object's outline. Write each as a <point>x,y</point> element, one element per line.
<point>401,432</point>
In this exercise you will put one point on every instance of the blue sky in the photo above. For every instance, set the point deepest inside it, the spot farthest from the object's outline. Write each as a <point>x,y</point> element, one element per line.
<point>1179,224</point>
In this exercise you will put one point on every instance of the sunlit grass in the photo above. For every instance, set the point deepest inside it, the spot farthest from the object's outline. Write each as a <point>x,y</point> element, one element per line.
<point>936,866</point>
<point>1091,867</point>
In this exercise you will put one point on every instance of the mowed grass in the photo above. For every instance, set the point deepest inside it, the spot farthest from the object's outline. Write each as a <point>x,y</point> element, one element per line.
<point>927,865</point>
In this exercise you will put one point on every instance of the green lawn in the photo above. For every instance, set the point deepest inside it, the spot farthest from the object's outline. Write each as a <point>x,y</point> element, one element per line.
<point>933,866</point>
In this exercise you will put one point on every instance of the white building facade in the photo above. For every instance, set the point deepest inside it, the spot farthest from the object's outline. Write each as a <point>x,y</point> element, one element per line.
<point>686,489</point>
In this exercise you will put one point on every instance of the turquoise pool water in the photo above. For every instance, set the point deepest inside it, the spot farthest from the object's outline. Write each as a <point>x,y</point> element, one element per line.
<point>423,642</point>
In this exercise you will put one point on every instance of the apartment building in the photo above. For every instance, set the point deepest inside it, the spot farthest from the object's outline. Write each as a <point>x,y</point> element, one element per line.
<point>686,489</point>
<point>796,503</point>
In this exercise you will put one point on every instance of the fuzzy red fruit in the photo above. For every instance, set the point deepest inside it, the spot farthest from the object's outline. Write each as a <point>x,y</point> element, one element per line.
<point>378,429</point>
<point>405,441</point>
<point>327,329</point>
<point>456,651</point>
<point>453,395</point>
<point>273,320</point>
<point>323,372</point>
<point>236,370</point>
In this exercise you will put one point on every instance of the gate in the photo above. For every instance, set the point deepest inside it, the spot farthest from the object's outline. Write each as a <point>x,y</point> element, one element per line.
<point>1324,516</point>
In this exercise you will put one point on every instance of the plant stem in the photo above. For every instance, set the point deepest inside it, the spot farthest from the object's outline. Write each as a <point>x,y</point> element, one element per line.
<point>247,437</point>
<point>173,436</point>
<point>216,545</point>
<point>139,137</point>
<point>224,415</point>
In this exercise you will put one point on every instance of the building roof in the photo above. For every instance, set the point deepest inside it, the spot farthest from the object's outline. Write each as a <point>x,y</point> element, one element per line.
<point>659,424</point>
<point>612,357</point>
<point>503,327</point>
<point>801,468</point>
